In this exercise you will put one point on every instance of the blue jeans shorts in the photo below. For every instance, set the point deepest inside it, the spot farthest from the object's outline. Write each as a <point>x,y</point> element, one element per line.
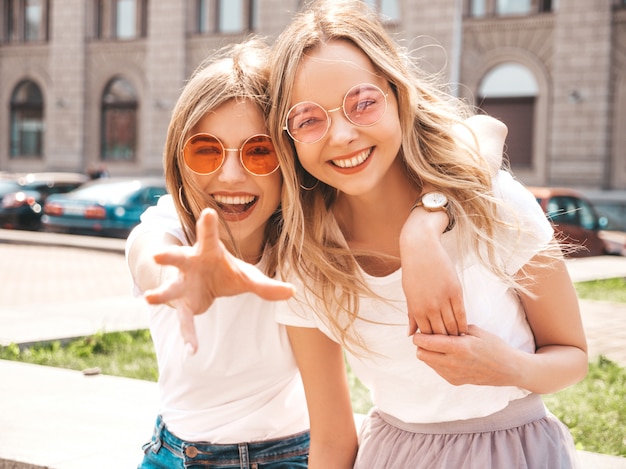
<point>166,451</point>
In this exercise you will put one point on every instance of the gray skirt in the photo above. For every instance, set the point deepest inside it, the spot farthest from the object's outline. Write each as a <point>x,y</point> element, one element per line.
<point>524,435</point>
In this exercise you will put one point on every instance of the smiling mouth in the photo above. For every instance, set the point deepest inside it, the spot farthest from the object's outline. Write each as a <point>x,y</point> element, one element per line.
<point>234,204</point>
<point>356,160</point>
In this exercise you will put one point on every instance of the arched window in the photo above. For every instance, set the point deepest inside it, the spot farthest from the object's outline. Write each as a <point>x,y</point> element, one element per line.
<point>119,121</point>
<point>509,92</point>
<point>27,125</point>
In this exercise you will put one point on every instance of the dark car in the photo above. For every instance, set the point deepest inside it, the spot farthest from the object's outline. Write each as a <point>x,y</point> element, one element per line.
<point>22,198</point>
<point>577,222</point>
<point>108,207</point>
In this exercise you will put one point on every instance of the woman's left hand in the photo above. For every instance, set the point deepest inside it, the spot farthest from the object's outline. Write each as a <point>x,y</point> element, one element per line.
<point>478,357</point>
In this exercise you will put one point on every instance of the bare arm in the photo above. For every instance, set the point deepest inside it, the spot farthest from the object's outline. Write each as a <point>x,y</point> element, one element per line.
<point>554,317</point>
<point>431,285</point>
<point>483,358</point>
<point>430,282</point>
<point>322,366</point>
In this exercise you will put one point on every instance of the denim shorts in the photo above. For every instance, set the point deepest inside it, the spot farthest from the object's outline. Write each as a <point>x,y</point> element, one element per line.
<point>166,451</point>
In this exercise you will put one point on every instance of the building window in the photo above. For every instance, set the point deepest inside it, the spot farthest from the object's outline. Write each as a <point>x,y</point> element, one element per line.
<point>513,7</point>
<point>389,9</point>
<point>27,125</point>
<point>119,121</point>
<point>120,19</point>
<point>24,20</point>
<point>223,16</point>
<point>485,8</point>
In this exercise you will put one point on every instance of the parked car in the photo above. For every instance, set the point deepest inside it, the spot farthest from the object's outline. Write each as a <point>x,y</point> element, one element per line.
<point>577,222</point>
<point>22,198</point>
<point>108,207</point>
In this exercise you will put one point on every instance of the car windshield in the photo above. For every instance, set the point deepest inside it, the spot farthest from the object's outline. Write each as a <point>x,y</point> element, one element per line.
<point>108,192</point>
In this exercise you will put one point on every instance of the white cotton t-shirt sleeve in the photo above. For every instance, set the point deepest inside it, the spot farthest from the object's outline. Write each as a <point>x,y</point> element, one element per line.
<point>296,311</point>
<point>161,217</point>
<point>530,230</point>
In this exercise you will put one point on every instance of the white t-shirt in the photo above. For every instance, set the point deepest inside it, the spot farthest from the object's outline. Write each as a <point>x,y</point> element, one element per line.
<point>405,387</point>
<point>243,383</point>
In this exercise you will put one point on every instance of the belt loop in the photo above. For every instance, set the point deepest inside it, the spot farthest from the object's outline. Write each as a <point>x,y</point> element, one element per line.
<point>158,435</point>
<point>244,456</point>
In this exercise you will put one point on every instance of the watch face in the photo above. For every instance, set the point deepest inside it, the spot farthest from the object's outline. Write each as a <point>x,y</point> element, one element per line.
<point>434,200</point>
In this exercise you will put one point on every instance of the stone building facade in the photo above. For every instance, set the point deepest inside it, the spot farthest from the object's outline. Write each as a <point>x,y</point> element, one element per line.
<point>71,71</point>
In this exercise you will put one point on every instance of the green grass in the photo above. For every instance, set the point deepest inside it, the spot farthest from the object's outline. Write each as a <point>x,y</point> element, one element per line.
<point>128,354</point>
<point>605,290</point>
<point>594,409</point>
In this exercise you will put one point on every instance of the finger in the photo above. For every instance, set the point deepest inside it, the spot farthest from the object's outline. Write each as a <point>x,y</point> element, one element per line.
<point>164,293</point>
<point>458,307</point>
<point>273,290</point>
<point>437,324</point>
<point>449,320</point>
<point>425,326</point>
<point>412,326</point>
<point>433,342</point>
<point>173,257</point>
<point>188,330</point>
<point>207,230</point>
<point>260,284</point>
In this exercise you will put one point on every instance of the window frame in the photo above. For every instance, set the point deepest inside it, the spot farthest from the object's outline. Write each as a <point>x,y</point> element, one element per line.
<point>205,17</point>
<point>15,27</point>
<point>105,20</point>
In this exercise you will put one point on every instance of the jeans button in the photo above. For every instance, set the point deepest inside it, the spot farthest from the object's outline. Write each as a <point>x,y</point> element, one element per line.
<point>191,451</point>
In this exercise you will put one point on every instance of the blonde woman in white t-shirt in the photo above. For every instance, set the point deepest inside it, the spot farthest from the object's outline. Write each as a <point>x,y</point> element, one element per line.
<point>353,112</point>
<point>230,391</point>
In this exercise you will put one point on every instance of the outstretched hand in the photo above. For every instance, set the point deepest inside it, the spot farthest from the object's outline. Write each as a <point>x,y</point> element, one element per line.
<point>206,271</point>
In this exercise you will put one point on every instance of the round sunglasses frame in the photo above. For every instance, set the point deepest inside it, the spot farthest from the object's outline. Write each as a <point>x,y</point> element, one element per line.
<point>328,111</point>
<point>225,150</point>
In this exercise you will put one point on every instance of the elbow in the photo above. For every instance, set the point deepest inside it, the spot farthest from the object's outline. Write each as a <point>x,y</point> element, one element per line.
<point>583,366</point>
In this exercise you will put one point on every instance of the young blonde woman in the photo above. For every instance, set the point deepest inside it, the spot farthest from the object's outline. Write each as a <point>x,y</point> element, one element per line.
<point>230,392</point>
<point>373,138</point>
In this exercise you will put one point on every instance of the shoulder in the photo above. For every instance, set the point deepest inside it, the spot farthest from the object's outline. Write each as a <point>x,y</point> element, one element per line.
<point>486,135</point>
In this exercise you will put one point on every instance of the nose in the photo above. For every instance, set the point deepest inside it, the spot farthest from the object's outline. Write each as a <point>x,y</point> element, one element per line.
<point>341,130</point>
<point>232,170</point>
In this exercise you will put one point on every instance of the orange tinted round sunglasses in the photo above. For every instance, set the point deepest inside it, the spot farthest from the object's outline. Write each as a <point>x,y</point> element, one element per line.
<point>205,154</point>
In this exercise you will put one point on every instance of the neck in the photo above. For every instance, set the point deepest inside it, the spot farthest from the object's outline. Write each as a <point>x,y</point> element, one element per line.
<point>372,222</point>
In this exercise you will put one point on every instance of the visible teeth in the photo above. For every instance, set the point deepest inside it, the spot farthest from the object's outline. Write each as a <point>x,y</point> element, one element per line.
<point>354,161</point>
<point>233,199</point>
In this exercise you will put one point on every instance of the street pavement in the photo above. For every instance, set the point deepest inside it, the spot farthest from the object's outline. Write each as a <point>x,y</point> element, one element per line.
<point>62,286</point>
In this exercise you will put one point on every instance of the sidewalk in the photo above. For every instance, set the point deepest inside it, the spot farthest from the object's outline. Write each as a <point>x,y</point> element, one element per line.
<point>60,286</point>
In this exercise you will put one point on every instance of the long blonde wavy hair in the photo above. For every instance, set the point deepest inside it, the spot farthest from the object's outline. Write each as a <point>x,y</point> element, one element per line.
<point>235,72</point>
<point>312,244</point>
